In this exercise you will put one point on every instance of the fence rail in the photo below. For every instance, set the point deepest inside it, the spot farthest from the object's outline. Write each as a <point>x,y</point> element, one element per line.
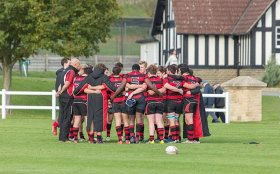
<point>53,106</point>
<point>225,109</point>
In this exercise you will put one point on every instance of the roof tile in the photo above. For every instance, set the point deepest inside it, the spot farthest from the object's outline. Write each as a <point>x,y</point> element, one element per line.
<point>217,16</point>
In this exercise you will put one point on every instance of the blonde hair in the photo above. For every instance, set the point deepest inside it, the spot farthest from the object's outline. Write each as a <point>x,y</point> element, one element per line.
<point>141,62</point>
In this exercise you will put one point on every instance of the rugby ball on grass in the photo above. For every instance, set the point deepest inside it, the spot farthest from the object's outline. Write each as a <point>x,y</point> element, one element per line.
<point>171,150</point>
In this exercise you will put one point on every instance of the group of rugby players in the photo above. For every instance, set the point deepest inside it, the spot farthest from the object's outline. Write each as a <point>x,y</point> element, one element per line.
<point>160,93</point>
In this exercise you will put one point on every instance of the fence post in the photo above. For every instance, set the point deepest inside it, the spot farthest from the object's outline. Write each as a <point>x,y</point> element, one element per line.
<point>53,105</point>
<point>227,107</point>
<point>95,59</point>
<point>3,104</point>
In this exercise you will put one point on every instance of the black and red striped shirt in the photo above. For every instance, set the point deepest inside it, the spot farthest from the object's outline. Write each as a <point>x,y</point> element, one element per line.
<point>171,95</point>
<point>69,76</point>
<point>189,79</point>
<point>117,80</point>
<point>158,83</point>
<point>137,78</point>
<point>81,97</point>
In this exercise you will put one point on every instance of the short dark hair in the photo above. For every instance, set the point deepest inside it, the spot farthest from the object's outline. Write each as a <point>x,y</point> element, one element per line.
<point>184,70</point>
<point>135,67</point>
<point>162,69</point>
<point>88,69</point>
<point>171,68</point>
<point>199,80</point>
<point>119,64</point>
<point>182,65</point>
<point>171,51</point>
<point>190,71</point>
<point>152,69</point>
<point>64,60</point>
<point>101,66</point>
<point>116,70</point>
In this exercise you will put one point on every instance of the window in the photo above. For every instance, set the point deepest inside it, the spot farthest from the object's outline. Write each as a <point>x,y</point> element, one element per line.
<point>277,40</point>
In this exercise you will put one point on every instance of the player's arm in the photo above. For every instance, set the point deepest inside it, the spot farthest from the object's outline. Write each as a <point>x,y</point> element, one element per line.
<point>173,88</point>
<point>69,79</point>
<point>190,85</point>
<point>119,90</point>
<point>99,87</point>
<point>161,90</point>
<point>152,87</point>
<point>81,87</point>
<point>133,86</point>
<point>90,91</point>
<point>195,90</point>
<point>137,91</point>
<point>65,86</point>
<point>108,84</point>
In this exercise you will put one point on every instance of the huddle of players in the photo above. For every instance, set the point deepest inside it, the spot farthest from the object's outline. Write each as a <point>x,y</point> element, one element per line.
<point>162,94</point>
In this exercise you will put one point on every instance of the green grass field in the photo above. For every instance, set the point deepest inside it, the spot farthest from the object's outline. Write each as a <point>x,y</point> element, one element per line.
<point>27,145</point>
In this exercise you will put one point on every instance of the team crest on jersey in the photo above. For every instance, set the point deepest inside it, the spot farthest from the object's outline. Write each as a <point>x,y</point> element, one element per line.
<point>135,80</point>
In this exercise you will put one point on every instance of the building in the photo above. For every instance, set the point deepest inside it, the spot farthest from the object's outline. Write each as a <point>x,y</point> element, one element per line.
<point>220,37</point>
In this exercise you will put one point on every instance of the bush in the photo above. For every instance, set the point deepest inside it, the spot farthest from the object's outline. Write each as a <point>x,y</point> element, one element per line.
<point>272,72</point>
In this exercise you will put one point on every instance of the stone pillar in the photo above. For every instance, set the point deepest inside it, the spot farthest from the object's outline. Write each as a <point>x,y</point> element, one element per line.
<point>245,100</point>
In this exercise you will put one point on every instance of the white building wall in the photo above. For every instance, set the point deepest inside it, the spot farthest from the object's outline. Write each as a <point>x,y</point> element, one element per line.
<point>191,50</point>
<point>268,46</point>
<point>221,51</point>
<point>230,51</point>
<point>211,60</point>
<point>268,18</point>
<point>201,51</point>
<point>149,53</point>
<point>258,48</point>
<point>277,10</point>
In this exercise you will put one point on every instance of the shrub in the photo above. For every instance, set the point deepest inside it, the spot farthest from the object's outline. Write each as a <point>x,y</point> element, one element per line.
<point>272,72</point>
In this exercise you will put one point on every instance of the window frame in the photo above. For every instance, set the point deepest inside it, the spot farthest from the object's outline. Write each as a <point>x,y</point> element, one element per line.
<point>276,37</point>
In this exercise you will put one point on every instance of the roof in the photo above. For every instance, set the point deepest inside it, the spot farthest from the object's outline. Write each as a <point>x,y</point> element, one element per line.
<point>214,16</point>
<point>244,81</point>
<point>251,16</point>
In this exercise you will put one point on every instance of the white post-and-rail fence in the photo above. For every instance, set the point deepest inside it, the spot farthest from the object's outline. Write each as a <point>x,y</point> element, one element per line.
<point>53,107</point>
<point>225,109</point>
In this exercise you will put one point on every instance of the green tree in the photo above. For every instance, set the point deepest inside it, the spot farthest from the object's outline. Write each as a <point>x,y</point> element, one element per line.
<point>66,27</point>
<point>272,72</point>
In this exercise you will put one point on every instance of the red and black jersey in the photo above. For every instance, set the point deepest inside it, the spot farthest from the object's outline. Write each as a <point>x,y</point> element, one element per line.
<point>178,83</point>
<point>117,80</point>
<point>189,79</point>
<point>69,75</point>
<point>81,97</point>
<point>158,83</point>
<point>137,78</point>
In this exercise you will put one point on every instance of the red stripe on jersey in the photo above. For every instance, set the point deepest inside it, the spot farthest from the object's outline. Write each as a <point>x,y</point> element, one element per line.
<point>117,80</point>
<point>69,76</point>
<point>171,95</point>
<point>158,83</point>
<point>105,108</point>
<point>189,79</point>
<point>82,96</point>
<point>137,78</point>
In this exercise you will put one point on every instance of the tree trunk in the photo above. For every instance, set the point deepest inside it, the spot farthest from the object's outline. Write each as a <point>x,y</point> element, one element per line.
<point>7,78</point>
